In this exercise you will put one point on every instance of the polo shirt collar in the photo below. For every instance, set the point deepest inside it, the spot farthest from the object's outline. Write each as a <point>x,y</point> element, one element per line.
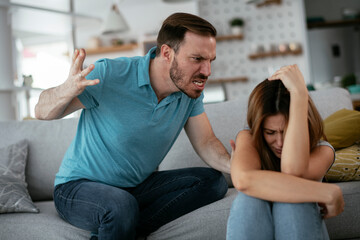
<point>144,78</point>
<point>143,67</point>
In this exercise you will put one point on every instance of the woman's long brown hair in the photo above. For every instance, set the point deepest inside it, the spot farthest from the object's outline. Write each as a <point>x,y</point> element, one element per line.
<point>268,99</point>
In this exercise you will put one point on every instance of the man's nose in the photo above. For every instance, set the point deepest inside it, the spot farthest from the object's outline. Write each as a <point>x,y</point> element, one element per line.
<point>206,68</point>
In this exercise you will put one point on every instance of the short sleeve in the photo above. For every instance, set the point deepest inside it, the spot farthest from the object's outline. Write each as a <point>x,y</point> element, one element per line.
<point>325,143</point>
<point>91,96</point>
<point>198,106</point>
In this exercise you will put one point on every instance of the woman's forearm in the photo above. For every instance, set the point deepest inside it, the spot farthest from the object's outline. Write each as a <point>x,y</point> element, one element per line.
<point>281,187</point>
<point>296,149</point>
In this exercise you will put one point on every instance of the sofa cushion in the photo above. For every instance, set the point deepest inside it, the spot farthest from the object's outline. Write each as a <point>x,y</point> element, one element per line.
<point>48,141</point>
<point>14,196</point>
<point>346,225</point>
<point>330,100</point>
<point>43,226</point>
<point>342,128</point>
<point>346,166</point>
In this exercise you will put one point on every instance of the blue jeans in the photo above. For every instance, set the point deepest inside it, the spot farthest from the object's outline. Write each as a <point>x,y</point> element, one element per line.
<point>124,213</point>
<point>253,218</point>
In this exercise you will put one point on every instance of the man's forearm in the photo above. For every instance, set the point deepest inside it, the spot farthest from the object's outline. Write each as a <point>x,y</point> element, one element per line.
<point>52,103</point>
<point>216,155</point>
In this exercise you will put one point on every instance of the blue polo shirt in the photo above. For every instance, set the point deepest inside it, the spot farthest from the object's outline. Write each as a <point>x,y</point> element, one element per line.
<point>124,133</point>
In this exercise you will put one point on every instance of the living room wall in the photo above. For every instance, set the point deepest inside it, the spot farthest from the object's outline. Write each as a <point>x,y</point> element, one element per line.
<point>266,25</point>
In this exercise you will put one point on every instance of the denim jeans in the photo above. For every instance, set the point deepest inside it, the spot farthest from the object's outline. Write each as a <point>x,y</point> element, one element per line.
<point>124,213</point>
<point>253,218</point>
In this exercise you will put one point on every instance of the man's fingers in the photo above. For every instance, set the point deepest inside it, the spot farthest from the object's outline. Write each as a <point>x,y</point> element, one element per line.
<point>76,53</point>
<point>79,60</point>
<point>86,83</point>
<point>87,70</point>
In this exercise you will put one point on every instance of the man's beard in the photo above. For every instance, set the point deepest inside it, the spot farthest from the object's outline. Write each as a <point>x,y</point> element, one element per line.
<point>177,76</point>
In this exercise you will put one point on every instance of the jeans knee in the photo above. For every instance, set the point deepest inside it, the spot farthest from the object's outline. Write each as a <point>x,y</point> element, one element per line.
<point>296,208</point>
<point>244,202</point>
<point>122,213</point>
<point>218,184</point>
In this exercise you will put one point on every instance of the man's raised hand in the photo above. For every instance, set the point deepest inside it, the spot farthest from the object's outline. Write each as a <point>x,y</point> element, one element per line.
<point>76,82</point>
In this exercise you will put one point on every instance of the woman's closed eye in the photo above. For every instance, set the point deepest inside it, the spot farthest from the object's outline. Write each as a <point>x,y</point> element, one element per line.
<point>268,132</point>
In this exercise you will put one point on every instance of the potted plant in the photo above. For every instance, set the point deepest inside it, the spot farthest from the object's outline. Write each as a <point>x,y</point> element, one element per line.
<point>237,25</point>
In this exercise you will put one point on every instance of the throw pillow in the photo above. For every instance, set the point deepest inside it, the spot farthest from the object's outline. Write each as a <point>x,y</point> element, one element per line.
<point>346,166</point>
<point>14,196</point>
<point>342,128</point>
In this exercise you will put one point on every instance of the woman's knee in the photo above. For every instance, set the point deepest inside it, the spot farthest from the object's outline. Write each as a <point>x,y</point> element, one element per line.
<point>245,213</point>
<point>298,221</point>
<point>248,202</point>
<point>296,208</point>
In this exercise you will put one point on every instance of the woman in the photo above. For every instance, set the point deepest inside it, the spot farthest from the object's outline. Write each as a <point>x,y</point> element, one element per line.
<point>278,164</point>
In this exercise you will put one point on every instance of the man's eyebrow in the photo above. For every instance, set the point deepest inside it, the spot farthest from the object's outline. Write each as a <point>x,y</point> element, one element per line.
<point>200,56</point>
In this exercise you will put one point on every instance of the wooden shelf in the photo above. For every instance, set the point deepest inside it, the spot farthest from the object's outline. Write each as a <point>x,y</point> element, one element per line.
<point>229,37</point>
<point>124,47</point>
<point>227,80</point>
<point>274,54</point>
<point>268,2</point>
<point>338,23</point>
<point>131,46</point>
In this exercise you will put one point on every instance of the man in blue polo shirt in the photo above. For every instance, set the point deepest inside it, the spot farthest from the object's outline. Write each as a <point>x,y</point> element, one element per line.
<point>133,111</point>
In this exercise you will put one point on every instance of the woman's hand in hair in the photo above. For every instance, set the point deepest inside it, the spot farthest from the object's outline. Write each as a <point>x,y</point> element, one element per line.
<point>292,78</point>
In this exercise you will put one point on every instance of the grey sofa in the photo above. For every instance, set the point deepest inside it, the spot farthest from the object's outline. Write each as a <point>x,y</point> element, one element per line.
<point>48,140</point>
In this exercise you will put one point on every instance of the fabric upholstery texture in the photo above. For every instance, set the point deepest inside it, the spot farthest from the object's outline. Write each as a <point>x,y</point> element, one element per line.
<point>346,166</point>
<point>47,141</point>
<point>330,100</point>
<point>47,225</point>
<point>342,128</point>
<point>14,196</point>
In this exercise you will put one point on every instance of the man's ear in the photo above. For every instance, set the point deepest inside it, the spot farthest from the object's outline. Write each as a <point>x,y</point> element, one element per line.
<point>167,52</point>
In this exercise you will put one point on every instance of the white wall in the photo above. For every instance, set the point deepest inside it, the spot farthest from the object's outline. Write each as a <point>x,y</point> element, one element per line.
<point>6,65</point>
<point>324,65</point>
<point>276,24</point>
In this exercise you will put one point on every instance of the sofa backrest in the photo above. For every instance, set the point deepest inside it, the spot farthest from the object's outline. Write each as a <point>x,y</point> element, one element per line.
<point>48,140</point>
<point>227,118</point>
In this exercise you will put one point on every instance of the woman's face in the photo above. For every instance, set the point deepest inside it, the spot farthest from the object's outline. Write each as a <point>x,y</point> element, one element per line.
<point>274,133</point>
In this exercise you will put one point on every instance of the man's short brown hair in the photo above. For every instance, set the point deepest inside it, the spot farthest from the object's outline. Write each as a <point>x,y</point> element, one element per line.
<point>174,27</point>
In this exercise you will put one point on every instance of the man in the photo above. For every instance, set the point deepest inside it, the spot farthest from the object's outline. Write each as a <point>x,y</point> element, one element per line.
<point>133,111</point>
